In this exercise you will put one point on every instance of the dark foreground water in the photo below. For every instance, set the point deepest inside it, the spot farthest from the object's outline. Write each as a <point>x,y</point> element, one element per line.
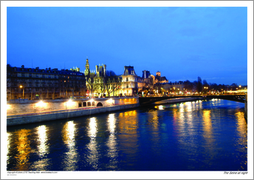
<point>187,136</point>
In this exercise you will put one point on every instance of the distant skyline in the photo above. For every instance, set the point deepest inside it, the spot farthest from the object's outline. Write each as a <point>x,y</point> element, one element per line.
<point>183,43</point>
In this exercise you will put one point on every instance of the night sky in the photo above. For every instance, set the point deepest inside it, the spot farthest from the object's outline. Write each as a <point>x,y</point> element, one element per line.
<point>183,43</point>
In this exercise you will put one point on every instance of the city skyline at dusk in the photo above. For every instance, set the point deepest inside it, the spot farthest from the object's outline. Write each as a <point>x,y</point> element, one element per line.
<point>127,87</point>
<point>183,43</point>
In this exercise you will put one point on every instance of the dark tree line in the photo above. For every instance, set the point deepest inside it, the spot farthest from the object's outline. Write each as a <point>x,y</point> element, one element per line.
<point>201,86</point>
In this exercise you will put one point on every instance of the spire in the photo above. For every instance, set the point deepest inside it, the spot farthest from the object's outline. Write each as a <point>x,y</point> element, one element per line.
<point>87,70</point>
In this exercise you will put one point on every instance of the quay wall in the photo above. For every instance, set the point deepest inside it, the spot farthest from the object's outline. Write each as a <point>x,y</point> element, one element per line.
<point>24,106</point>
<point>25,112</point>
<point>172,101</point>
<point>18,120</point>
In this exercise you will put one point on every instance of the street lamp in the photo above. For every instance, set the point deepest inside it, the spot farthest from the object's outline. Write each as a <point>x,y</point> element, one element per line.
<point>21,87</point>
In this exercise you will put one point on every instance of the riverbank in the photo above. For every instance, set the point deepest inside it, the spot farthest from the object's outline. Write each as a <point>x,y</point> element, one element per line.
<point>64,114</point>
<point>177,100</point>
<point>27,118</point>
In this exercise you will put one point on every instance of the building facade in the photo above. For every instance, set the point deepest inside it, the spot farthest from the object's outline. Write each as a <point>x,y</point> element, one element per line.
<point>35,83</point>
<point>129,82</point>
<point>102,83</point>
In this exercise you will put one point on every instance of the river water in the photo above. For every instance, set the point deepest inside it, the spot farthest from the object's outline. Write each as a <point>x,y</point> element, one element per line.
<point>190,136</point>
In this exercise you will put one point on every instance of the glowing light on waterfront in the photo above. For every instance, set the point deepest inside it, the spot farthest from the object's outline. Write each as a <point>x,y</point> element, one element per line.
<point>110,101</point>
<point>8,106</point>
<point>41,104</point>
<point>161,107</point>
<point>70,103</point>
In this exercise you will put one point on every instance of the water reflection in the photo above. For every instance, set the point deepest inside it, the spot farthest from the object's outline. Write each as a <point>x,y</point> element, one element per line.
<point>9,139</point>
<point>68,136</point>
<point>207,126</point>
<point>111,143</point>
<point>153,119</point>
<point>184,117</point>
<point>128,124</point>
<point>43,149</point>
<point>22,142</point>
<point>92,155</point>
<point>242,137</point>
<point>187,136</point>
<point>241,124</point>
<point>42,140</point>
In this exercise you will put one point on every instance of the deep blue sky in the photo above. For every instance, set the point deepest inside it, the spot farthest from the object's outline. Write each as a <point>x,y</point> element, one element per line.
<point>182,43</point>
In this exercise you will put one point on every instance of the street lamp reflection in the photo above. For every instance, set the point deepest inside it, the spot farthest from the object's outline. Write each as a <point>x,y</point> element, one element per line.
<point>92,155</point>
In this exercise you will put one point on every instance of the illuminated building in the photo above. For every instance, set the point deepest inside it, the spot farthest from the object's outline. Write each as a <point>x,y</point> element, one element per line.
<point>129,81</point>
<point>101,83</point>
<point>35,83</point>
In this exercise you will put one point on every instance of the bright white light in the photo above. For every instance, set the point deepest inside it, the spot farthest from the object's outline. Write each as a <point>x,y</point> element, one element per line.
<point>42,134</point>
<point>8,106</point>
<point>41,104</point>
<point>110,101</point>
<point>92,127</point>
<point>70,103</point>
<point>111,123</point>
<point>161,107</point>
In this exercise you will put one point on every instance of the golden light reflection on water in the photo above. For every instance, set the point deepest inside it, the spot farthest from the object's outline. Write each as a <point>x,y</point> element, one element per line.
<point>241,127</point>
<point>241,124</point>
<point>128,132</point>
<point>68,136</point>
<point>207,126</point>
<point>153,119</point>
<point>92,156</point>
<point>22,142</point>
<point>242,133</point>
<point>111,143</point>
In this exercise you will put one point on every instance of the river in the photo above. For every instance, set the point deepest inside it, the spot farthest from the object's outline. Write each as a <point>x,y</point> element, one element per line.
<point>191,136</point>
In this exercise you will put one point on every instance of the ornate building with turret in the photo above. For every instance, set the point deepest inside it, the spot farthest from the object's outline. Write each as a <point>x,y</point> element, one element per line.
<point>102,83</point>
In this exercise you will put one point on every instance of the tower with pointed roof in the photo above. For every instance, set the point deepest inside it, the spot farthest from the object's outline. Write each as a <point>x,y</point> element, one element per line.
<point>87,70</point>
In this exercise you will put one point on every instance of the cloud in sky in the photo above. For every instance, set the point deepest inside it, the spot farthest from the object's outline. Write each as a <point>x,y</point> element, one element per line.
<point>181,42</point>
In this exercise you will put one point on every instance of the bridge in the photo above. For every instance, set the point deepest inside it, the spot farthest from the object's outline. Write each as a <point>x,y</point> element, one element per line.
<point>234,97</point>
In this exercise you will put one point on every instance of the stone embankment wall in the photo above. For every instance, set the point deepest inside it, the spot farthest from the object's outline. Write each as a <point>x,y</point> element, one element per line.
<point>37,106</point>
<point>18,120</point>
<point>178,100</point>
<point>24,112</point>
